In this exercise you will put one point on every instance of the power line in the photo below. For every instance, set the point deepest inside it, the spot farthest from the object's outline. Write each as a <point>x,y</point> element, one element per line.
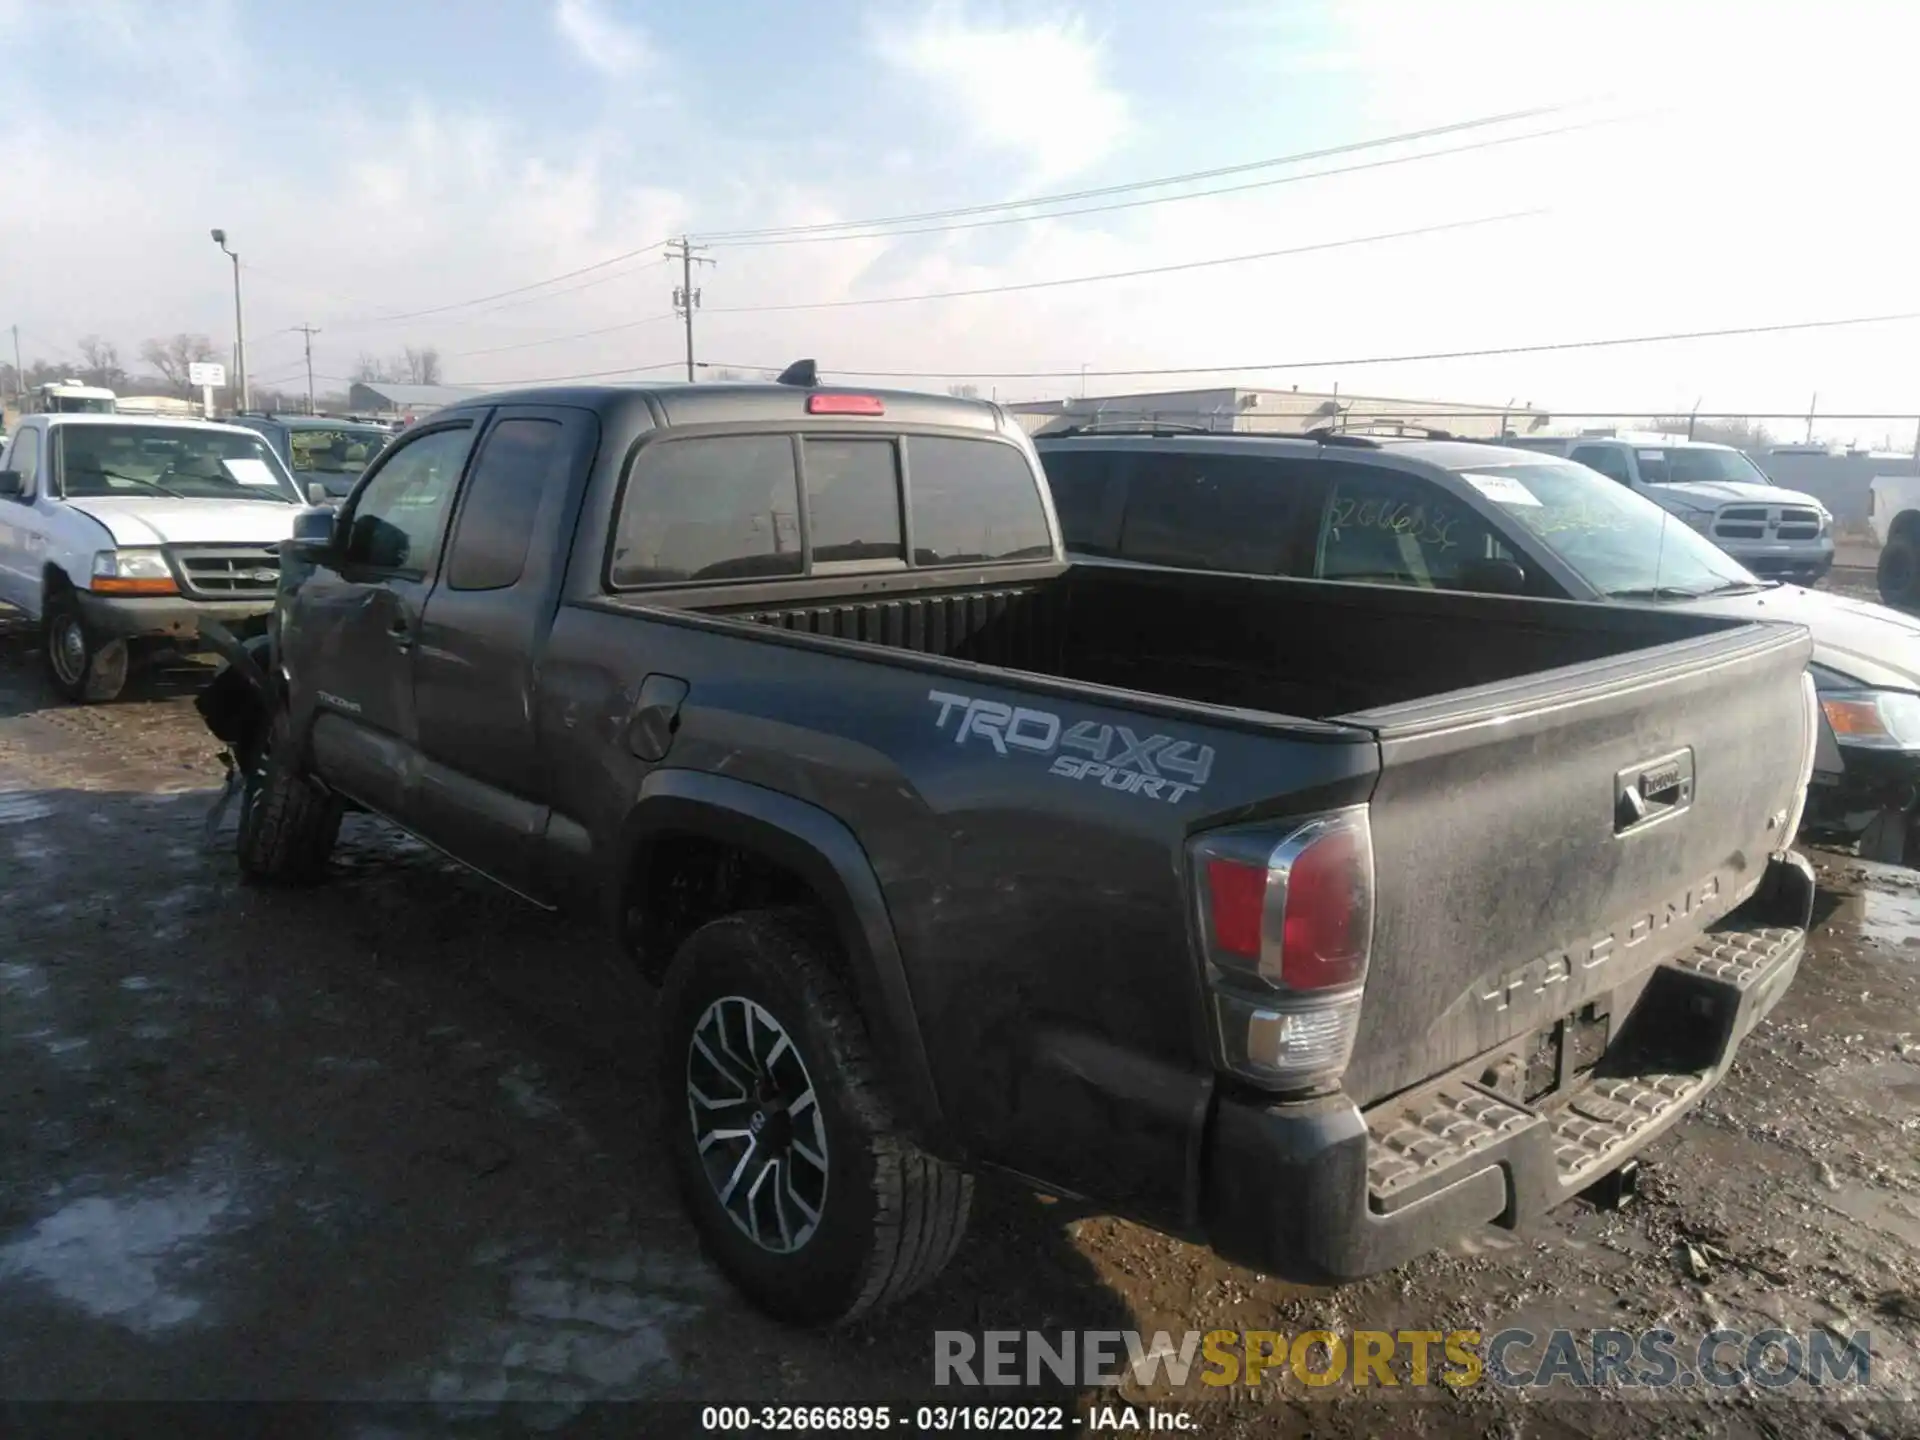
<point>1219,172</point>
<point>1364,165</point>
<point>502,294</point>
<point>1132,274</point>
<point>557,339</point>
<point>1613,341</point>
<point>582,375</point>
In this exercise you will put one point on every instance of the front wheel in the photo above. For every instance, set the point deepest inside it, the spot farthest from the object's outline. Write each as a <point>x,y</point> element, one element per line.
<point>288,824</point>
<point>801,1184</point>
<point>84,668</point>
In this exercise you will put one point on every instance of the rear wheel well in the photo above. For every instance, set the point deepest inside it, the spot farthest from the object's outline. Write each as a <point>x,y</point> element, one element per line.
<point>682,880</point>
<point>1906,526</point>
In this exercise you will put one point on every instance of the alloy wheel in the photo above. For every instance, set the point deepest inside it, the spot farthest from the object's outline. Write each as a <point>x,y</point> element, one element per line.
<point>756,1124</point>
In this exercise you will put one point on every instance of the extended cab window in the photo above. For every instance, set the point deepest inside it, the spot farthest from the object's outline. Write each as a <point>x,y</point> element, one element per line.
<point>503,497</point>
<point>1212,512</point>
<point>724,507</point>
<point>1608,460</point>
<point>1387,527</point>
<point>974,501</point>
<point>401,512</point>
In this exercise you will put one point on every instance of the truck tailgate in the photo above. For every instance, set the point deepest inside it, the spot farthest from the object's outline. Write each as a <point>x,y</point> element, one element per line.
<point>1539,843</point>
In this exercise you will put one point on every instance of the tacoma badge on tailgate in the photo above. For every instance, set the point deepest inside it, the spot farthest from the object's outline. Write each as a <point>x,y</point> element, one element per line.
<point>1115,756</point>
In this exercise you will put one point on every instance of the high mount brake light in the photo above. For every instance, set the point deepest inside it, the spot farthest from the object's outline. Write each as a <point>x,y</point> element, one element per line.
<point>845,405</point>
<point>1286,925</point>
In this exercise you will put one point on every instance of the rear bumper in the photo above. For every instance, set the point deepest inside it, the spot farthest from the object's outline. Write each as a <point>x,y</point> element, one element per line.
<point>166,617</point>
<point>1322,1191</point>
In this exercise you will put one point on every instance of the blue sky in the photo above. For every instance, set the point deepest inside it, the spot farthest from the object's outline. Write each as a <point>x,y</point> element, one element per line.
<point>1741,165</point>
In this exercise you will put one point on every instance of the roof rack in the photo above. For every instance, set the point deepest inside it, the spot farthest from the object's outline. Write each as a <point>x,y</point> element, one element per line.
<point>1130,427</point>
<point>1341,437</point>
<point>1387,425</point>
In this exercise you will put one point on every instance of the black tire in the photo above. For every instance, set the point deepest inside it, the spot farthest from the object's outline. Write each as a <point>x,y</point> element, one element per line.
<point>288,825</point>
<point>890,1216</point>
<point>1899,574</point>
<point>83,667</point>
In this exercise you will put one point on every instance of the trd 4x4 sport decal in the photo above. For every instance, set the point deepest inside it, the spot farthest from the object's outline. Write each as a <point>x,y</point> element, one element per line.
<point>1158,767</point>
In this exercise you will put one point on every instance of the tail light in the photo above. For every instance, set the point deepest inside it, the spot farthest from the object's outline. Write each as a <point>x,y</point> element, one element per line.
<point>1286,927</point>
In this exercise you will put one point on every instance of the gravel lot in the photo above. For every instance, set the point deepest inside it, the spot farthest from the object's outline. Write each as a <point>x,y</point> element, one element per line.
<point>392,1141</point>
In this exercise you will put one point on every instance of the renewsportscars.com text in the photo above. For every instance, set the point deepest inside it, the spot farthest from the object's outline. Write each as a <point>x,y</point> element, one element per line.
<point>1655,1359</point>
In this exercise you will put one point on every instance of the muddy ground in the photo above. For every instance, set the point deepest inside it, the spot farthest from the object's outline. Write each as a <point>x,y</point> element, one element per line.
<point>393,1141</point>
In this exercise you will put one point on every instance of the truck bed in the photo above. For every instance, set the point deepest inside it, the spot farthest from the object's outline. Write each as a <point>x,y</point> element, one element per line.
<point>1311,649</point>
<point>1496,727</point>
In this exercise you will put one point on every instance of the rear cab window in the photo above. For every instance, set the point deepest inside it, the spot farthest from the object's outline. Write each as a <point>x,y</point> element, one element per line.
<point>756,506</point>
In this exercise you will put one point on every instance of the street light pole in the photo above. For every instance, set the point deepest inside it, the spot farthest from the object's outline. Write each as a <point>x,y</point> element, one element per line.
<point>243,391</point>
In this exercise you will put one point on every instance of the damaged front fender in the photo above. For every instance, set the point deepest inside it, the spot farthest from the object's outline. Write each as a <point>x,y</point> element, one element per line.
<point>238,701</point>
<point>237,706</point>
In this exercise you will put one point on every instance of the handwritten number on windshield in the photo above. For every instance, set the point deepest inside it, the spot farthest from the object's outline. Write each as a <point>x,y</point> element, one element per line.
<point>1401,517</point>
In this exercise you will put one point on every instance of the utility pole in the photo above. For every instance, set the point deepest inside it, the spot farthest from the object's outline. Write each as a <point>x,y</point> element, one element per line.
<point>309,332</point>
<point>686,299</point>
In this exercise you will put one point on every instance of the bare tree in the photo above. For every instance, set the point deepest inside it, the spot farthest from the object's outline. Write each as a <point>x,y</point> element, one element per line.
<point>1741,434</point>
<point>369,369</point>
<point>100,363</point>
<point>172,356</point>
<point>421,364</point>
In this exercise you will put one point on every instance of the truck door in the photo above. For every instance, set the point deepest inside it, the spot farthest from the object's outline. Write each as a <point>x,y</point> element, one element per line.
<point>350,642</point>
<point>474,669</point>
<point>22,537</point>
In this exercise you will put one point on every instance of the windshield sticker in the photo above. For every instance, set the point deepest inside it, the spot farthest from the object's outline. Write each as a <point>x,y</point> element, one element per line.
<point>1651,454</point>
<point>252,472</point>
<point>1502,488</point>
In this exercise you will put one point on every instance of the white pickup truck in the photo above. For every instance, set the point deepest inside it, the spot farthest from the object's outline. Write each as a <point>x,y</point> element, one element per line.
<point>119,535</point>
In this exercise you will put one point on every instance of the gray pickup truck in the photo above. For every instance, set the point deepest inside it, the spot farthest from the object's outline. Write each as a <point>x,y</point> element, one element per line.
<point>1318,922</point>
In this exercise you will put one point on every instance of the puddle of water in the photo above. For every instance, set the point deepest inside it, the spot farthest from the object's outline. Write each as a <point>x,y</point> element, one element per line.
<point>107,1254</point>
<point>522,1087</point>
<point>573,1333</point>
<point>17,809</point>
<point>1892,919</point>
<point>22,981</point>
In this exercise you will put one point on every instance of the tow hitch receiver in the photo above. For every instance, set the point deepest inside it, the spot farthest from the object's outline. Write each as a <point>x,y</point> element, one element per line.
<point>1614,1191</point>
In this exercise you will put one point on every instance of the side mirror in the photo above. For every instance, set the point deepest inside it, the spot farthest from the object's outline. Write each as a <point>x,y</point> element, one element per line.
<point>1493,577</point>
<point>12,484</point>
<point>314,531</point>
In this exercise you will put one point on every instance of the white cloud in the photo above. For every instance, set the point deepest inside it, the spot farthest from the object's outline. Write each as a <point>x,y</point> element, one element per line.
<point>610,45</point>
<point>1035,90</point>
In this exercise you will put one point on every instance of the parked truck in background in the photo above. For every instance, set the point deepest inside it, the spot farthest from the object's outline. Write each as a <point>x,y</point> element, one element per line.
<point>120,534</point>
<point>1714,489</point>
<point>1319,922</point>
